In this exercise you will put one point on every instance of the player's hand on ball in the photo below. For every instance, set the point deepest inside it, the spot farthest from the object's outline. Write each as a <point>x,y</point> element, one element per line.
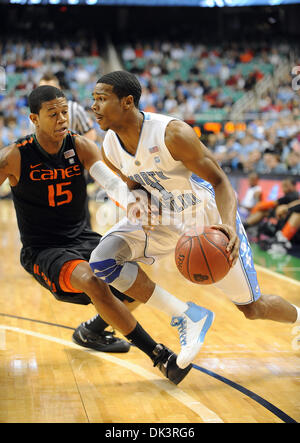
<point>234,242</point>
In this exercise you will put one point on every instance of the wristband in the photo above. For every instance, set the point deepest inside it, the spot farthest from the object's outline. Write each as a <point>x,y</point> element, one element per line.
<point>116,188</point>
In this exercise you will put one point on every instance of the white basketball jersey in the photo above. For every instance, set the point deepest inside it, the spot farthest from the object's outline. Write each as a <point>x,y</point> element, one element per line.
<point>155,169</point>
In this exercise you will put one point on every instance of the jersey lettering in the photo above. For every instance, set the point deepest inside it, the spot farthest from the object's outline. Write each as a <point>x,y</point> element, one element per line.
<point>174,203</point>
<point>55,188</point>
<point>55,191</point>
<point>54,174</point>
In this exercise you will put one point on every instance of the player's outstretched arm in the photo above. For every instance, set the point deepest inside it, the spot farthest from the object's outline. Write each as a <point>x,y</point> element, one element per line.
<point>118,187</point>
<point>89,153</point>
<point>184,146</point>
<point>10,161</point>
<point>113,182</point>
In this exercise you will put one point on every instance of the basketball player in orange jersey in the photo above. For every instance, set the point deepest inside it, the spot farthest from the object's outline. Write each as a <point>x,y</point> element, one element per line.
<point>161,153</point>
<point>45,171</point>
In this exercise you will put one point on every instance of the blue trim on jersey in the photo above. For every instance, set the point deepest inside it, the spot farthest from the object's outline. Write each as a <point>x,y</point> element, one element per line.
<point>246,259</point>
<point>245,253</point>
<point>203,183</point>
<point>147,116</point>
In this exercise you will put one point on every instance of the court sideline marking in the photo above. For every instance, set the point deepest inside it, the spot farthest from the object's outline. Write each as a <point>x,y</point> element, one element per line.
<point>197,407</point>
<point>276,274</point>
<point>266,404</point>
<point>276,411</point>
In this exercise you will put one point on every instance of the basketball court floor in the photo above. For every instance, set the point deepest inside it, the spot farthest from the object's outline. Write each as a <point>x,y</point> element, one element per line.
<point>247,371</point>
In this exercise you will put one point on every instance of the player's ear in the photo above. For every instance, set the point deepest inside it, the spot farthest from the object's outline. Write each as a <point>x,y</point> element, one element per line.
<point>34,118</point>
<point>128,101</point>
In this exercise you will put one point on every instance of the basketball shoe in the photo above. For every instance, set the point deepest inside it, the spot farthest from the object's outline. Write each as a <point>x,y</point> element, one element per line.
<point>104,341</point>
<point>192,326</point>
<point>165,360</point>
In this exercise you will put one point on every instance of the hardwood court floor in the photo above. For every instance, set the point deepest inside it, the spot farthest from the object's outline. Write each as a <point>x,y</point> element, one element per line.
<point>246,372</point>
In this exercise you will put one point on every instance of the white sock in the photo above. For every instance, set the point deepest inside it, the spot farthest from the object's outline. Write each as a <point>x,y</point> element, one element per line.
<point>166,302</point>
<point>298,314</point>
<point>282,239</point>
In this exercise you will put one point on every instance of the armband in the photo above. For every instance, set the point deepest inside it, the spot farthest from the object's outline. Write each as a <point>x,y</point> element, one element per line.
<point>116,188</point>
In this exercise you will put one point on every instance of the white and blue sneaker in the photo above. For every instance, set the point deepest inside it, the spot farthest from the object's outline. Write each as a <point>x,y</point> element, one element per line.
<point>192,325</point>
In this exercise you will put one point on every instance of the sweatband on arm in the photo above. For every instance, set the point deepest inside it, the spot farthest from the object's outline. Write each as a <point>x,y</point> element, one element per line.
<point>116,188</point>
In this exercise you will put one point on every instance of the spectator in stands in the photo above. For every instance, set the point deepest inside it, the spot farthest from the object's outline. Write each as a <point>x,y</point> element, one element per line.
<point>253,78</point>
<point>211,141</point>
<point>128,53</point>
<point>248,144</point>
<point>227,153</point>
<point>182,79</point>
<point>252,161</point>
<point>293,163</point>
<point>284,236</point>
<point>257,128</point>
<point>270,163</point>
<point>252,196</point>
<point>267,208</point>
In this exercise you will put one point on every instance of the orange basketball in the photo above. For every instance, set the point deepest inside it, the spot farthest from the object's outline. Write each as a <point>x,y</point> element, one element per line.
<point>201,256</point>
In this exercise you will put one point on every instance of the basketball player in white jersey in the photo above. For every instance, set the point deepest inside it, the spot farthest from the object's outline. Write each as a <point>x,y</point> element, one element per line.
<point>161,154</point>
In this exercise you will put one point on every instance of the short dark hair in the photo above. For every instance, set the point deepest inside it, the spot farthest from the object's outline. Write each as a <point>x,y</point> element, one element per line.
<point>124,83</point>
<point>292,180</point>
<point>42,94</point>
<point>48,76</point>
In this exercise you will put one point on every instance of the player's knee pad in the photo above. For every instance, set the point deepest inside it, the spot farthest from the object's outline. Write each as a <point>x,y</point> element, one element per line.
<point>109,261</point>
<point>107,270</point>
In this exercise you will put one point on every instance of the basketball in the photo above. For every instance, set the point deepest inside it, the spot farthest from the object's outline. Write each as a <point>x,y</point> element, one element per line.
<point>201,256</point>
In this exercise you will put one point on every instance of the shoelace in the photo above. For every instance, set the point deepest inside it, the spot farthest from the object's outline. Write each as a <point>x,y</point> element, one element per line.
<point>161,357</point>
<point>90,320</point>
<point>109,332</point>
<point>180,324</point>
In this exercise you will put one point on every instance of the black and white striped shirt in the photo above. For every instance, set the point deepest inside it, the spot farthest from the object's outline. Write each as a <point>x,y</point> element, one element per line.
<point>79,121</point>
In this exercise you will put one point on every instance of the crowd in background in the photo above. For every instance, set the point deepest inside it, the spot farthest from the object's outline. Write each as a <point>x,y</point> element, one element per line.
<point>194,82</point>
<point>188,80</point>
<point>180,79</point>
<point>185,79</point>
<point>266,146</point>
<point>76,63</point>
